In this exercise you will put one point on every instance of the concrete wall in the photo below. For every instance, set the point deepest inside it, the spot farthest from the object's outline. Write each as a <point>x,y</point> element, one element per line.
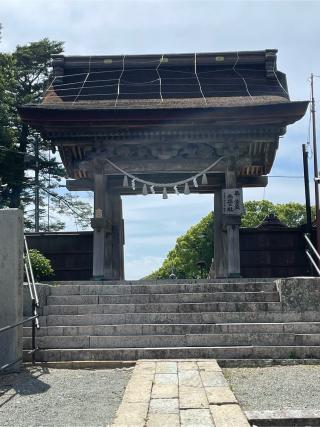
<point>11,284</point>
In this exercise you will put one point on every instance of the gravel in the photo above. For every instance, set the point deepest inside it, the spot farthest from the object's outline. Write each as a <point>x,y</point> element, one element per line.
<point>61,397</point>
<point>275,388</point>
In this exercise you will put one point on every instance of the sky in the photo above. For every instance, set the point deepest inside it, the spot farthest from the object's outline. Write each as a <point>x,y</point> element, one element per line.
<point>93,27</point>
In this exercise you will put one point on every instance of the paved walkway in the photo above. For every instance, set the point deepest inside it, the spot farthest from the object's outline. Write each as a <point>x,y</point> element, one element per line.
<point>174,393</point>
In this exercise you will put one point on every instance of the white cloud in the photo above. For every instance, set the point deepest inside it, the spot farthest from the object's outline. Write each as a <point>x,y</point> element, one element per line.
<point>142,266</point>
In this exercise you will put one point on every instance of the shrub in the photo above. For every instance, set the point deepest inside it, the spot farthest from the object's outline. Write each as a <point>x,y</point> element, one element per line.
<point>41,265</point>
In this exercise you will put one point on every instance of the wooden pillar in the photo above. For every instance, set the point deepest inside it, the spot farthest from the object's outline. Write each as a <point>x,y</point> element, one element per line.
<point>108,246</point>
<point>220,238</point>
<point>108,240</point>
<point>232,224</point>
<point>117,238</point>
<point>98,224</point>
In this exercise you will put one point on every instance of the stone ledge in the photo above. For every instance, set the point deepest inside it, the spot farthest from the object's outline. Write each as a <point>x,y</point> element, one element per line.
<point>287,417</point>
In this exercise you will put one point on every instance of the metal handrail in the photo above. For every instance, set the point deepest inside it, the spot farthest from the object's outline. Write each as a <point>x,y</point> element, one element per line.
<point>34,305</point>
<point>34,297</point>
<point>29,274</point>
<point>315,252</point>
<point>33,318</point>
<point>313,262</point>
<point>6,328</point>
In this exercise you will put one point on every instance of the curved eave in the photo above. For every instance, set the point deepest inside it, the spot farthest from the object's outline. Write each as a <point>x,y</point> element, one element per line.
<point>284,113</point>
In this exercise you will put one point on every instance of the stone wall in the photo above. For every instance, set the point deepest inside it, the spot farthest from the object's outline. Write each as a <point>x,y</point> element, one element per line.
<point>299,293</point>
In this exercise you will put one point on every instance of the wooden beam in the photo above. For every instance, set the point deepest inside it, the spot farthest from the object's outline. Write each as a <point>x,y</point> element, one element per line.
<point>214,183</point>
<point>83,184</point>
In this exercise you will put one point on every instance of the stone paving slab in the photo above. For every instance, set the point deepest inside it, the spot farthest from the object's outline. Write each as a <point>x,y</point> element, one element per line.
<point>138,393</point>
<point>166,379</point>
<point>213,379</point>
<point>228,416</point>
<point>209,365</point>
<point>196,417</point>
<point>163,420</point>
<point>192,398</point>
<point>166,368</point>
<point>131,414</point>
<point>164,406</point>
<point>190,378</point>
<point>220,395</point>
<point>162,391</point>
<point>186,366</point>
<point>179,393</point>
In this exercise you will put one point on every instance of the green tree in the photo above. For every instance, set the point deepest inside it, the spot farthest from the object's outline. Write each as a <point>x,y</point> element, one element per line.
<point>31,70</point>
<point>7,131</point>
<point>24,75</point>
<point>197,243</point>
<point>292,214</point>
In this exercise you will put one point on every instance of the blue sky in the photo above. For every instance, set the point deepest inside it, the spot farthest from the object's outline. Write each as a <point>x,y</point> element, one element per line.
<point>172,26</point>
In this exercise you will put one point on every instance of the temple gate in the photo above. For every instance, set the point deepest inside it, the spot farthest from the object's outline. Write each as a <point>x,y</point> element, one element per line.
<point>179,123</point>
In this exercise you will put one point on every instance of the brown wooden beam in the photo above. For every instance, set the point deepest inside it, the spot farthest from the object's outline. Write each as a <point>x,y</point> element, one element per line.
<point>214,182</point>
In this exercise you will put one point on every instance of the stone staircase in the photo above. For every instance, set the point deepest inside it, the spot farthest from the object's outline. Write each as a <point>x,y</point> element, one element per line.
<point>225,320</point>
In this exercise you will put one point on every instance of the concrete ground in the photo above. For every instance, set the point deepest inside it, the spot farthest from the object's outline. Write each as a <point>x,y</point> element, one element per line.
<point>61,397</point>
<point>276,388</point>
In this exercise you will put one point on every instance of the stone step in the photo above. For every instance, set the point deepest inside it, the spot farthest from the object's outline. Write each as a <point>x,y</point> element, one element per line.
<point>161,308</point>
<point>94,288</point>
<point>199,297</point>
<point>177,329</point>
<point>235,352</point>
<point>188,340</point>
<point>179,318</point>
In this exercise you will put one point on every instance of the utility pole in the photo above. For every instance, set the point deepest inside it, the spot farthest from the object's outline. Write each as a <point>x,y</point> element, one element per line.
<point>307,188</point>
<point>315,164</point>
<point>36,186</point>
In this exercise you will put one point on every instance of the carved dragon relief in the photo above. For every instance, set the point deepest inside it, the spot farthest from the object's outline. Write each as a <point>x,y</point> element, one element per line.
<point>157,151</point>
<point>246,154</point>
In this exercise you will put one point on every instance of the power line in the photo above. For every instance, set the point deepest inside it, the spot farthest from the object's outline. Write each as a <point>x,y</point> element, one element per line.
<point>285,176</point>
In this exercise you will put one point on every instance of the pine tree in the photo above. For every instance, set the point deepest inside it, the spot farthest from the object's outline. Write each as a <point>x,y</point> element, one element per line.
<point>30,173</point>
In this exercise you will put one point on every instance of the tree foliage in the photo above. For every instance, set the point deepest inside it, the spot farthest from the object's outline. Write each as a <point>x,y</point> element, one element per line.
<point>41,265</point>
<point>197,243</point>
<point>24,75</point>
<point>292,214</point>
